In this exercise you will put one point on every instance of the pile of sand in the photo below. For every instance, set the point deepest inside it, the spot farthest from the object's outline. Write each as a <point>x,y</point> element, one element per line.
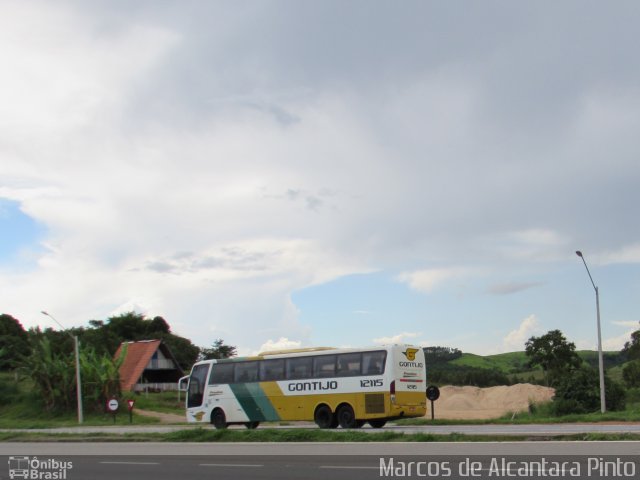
<point>480,403</point>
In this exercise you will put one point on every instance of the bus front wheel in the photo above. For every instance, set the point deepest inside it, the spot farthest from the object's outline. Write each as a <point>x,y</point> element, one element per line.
<point>219,419</point>
<point>323,417</point>
<point>346,417</point>
<point>252,425</point>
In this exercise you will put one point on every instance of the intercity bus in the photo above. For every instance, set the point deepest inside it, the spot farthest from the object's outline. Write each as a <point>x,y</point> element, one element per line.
<point>330,386</point>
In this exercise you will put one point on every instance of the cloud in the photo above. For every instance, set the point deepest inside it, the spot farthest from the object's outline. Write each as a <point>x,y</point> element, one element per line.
<point>538,244</point>
<point>282,343</point>
<point>626,254</point>
<point>426,281</point>
<point>627,323</point>
<point>400,338</point>
<point>514,287</point>
<point>515,339</point>
<point>203,163</point>
<point>617,342</point>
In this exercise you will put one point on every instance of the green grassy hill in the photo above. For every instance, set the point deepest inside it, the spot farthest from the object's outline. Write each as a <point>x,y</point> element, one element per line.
<point>512,362</point>
<point>468,368</point>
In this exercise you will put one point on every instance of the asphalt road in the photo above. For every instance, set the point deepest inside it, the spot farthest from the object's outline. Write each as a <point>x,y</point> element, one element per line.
<point>159,461</point>
<point>531,429</point>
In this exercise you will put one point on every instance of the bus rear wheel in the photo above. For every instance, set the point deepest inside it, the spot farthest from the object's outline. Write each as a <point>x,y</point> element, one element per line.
<point>324,418</point>
<point>219,419</point>
<point>346,417</point>
<point>379,423</point>
<point>252,425</point>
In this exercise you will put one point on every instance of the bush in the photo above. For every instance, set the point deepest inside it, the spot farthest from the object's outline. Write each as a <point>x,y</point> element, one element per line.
<point>8,390</point>
<point>631,374</point>
<point>579,392</point>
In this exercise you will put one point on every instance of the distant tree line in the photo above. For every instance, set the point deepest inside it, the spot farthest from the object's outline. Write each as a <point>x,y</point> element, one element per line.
<point>448,374</point>
<point>437,355</point>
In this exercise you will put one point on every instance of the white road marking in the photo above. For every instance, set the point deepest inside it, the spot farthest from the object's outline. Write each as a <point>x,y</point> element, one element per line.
<point>348,467</point>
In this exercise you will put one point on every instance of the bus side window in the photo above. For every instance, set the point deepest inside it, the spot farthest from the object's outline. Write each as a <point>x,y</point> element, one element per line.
<point>324,366</point>
<point>373,363</point>
<point>221,373</point>
<point>272,370</point>
<point>246,372</point>
<point>299,368</point>
<point>349,364</point>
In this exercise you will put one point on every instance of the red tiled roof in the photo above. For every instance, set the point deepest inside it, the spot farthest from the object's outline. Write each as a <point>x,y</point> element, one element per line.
<point>138,356</point>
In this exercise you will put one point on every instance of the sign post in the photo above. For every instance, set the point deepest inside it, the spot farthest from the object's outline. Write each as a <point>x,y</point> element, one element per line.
<point>112,406</point>
<point>433,394</point>
<point>130,404</point>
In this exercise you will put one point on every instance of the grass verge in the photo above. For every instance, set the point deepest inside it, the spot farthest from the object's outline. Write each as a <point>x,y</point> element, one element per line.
<point>297,436</point>
<point>164,402</point>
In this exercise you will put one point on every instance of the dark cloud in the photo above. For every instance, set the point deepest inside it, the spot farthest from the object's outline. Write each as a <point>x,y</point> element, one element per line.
<point>514,287</point>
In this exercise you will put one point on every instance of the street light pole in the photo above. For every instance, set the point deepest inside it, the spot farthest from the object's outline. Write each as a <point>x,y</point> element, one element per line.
<point>603,405</point>
<point>77,355</point>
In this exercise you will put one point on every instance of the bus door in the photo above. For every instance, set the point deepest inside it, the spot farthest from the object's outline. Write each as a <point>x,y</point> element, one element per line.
<point>196,388</point>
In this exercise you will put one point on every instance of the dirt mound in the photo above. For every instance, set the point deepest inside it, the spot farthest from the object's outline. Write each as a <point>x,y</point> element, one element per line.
<point>480,403</point>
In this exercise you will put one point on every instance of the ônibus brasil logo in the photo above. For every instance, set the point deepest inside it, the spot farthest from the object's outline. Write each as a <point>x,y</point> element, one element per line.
<point>33,468</point>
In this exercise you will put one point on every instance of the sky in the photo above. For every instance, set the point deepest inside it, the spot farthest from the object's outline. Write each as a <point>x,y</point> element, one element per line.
<point>303,173</point>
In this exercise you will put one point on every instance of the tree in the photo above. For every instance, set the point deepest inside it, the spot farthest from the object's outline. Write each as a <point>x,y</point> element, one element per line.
<point>434,355</point>
<point>553,353</point>
<point>54,376</point>
<point>14,344</point>
<point>100,377</point>
<point>631,371</point>
<point>159,325</point>
<point>105,337</point>
<point>185,352</point>
<point>218,350</point>
<point>579,392</point>
<point>631,374</point>
<point>632,348</point>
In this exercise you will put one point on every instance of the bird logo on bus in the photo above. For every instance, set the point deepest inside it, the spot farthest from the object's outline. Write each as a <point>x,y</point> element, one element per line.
<point>410,353</point>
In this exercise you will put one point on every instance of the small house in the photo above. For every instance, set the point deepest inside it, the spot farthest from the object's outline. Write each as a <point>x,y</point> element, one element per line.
<point>149,365</point>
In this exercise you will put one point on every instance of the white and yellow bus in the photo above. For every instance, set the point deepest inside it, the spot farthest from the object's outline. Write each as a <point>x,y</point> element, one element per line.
<point>331,386</point>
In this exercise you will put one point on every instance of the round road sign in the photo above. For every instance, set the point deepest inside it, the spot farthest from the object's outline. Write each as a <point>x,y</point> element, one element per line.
<point>433,393</point>
<point>112,405</point>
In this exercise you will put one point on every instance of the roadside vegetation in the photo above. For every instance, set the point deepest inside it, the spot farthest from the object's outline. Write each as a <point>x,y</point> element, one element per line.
<point>22,407</point>
<point>553,361</point>
<point>163,402</point>
<point>37,375</point>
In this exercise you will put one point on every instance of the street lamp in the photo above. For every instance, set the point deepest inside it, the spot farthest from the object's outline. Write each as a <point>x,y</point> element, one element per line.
<point>78,382</point>
<point>603,406</point>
